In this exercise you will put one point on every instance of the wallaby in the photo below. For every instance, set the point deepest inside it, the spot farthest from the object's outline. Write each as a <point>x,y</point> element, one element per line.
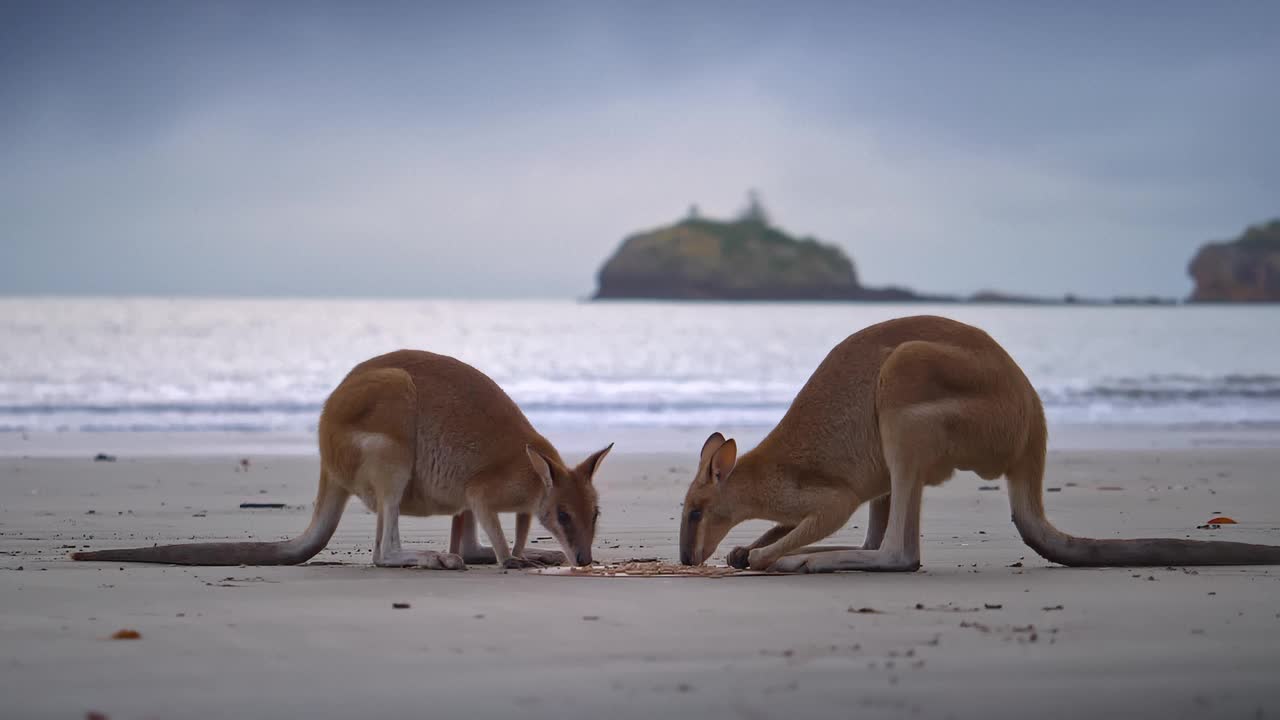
<point>417,433</point>
<point>895,407</point>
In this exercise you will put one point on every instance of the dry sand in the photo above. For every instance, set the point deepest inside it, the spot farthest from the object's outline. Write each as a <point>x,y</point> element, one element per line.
<point>973,634</point>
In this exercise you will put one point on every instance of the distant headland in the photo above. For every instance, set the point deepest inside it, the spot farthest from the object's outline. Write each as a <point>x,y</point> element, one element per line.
<point>1246,269</point>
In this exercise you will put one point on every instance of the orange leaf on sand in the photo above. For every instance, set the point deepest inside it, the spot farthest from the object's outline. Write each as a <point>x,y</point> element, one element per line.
<point>1222,520</point>
<point>126,635</point>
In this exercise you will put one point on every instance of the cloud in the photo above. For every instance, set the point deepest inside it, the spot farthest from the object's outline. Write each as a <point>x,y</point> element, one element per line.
<point>347,156</point>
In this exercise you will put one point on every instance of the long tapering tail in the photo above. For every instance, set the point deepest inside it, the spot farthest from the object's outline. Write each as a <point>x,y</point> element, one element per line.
<point>1026,498</point>
<point>330,502</point>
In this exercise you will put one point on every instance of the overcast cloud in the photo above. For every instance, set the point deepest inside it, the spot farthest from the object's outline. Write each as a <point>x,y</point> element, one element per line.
<point>505,149</point>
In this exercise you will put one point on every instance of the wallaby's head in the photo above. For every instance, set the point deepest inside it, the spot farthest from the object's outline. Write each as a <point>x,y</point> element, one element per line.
<point>707,517</point>
<point>569,507</point>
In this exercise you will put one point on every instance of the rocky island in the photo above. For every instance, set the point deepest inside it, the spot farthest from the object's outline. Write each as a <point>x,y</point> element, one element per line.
<point>1246,269</point>
<point>742,259</point>
<point>749,258</point>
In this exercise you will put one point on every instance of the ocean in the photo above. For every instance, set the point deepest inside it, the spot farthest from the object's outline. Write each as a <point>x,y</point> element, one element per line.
<point>265,366</point>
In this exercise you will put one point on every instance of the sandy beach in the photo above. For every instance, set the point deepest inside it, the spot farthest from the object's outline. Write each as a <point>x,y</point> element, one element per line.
<point>985,629</point>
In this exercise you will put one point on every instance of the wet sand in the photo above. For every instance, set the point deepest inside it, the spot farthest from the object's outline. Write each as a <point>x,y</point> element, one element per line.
<point>985,629</point>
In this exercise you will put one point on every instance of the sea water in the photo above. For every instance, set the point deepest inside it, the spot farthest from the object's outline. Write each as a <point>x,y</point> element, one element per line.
<point>264,366</point>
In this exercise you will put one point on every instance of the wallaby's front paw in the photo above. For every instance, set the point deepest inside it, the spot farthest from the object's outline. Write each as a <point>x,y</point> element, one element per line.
<point>433,560</point>
<point>739,557</point>
<point>519,563</point>
<point>546,557</point>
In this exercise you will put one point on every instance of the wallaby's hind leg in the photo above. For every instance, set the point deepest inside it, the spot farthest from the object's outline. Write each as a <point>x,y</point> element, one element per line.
<point>914,449</point>
<point>899,550</point>
<point>389,553</point>
<point>466,543</point>
<point>389,481</point>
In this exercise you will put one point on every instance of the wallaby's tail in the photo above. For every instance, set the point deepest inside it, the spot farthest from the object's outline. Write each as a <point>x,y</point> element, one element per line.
<point>1026,497</point>
<point>330,502</point>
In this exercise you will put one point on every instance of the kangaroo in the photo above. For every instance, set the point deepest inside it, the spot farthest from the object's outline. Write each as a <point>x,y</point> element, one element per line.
<point>894,408</point>
<point>421,434</point>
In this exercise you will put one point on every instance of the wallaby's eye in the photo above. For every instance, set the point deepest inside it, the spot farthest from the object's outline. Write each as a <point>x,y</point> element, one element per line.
<point>695,516</point>
<point>562,517</point>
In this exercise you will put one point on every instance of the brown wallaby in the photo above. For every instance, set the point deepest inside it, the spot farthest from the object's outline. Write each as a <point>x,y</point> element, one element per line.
<point>895,407</point>
<point>417,433</point>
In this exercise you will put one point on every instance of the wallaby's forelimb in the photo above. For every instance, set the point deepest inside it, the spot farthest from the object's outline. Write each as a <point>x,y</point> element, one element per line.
<point>811,528</point>
<point>488,521</point>
<point>456,529</point>
<point>522,534</point>
<point>739,557</point>
<point>877,522</point>
<point>463,541</point>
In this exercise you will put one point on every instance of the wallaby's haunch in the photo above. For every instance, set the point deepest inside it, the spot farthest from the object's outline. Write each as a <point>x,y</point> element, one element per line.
<point>893,408</point>
<point>422,434</point>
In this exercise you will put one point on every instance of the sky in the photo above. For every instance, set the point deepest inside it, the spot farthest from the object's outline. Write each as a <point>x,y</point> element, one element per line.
<point>504,150</point>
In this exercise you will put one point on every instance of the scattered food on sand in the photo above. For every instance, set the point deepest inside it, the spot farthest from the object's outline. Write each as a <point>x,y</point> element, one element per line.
<point>103,457</point>
<point>652,568</point>
<point>126,635</point>
<point>400,605</point>
<point>864,611</point>
<point>260,505</point>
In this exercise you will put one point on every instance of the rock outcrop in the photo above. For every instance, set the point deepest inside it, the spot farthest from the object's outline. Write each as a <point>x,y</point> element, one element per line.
<point>745,259</point>
<point>1246,269</point>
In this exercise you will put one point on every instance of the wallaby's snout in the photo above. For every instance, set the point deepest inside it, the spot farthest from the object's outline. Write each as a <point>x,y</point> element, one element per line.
<point>584,557</point>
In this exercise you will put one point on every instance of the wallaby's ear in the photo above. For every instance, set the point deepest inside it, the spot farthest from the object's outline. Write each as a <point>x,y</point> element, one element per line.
<point>722,462</point>
<point>592,463</point>
<point>540,465</point>
<point>712,444</point>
